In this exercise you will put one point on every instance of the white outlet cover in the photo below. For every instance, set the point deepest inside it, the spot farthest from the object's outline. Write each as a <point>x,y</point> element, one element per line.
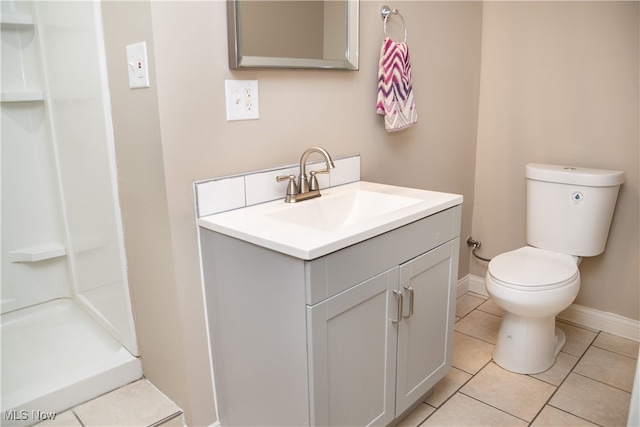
<point>137,65</point>
<point>242,99</point>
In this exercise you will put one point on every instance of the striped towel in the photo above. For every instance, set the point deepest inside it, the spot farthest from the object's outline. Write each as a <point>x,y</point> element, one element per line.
<point>395,92</point>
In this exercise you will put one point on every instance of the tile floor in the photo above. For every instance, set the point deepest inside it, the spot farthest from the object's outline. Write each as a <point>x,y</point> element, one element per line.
<point>137,404</point>
<point>590,384</point>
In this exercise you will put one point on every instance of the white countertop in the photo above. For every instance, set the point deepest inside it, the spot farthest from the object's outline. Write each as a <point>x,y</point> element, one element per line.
<point>316,227</point>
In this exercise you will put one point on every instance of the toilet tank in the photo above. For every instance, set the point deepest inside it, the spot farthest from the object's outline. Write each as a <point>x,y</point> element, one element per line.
<point>569,209</point>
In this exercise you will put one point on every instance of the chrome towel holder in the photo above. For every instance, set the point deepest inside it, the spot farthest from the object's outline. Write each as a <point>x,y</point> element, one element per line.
<point>385,12</point>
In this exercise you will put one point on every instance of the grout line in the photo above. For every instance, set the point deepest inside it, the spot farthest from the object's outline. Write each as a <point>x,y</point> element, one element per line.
<point>577,416</point>
<point>166,419</point>
<point>600,382</point>
<point>494,407</point>
<point>77,417</point>
<point>479,339</point>
<point>612,351</point>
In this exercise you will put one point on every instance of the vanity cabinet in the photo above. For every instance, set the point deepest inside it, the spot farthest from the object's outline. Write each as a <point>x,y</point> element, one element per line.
<point>356,337</point>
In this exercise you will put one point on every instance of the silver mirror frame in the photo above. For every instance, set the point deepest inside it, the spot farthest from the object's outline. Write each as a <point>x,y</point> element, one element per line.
<point>238,61</point>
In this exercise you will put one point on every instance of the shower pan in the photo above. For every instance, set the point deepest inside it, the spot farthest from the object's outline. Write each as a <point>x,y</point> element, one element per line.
<point>67,332</point>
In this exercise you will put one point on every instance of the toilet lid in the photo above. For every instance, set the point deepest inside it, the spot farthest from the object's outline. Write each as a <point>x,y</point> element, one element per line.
<point>531,267</point>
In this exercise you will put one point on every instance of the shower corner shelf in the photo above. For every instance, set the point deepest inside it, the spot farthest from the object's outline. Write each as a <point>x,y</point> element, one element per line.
<point>24,96</point>
<point>38,253</point>
<point>22,20</point>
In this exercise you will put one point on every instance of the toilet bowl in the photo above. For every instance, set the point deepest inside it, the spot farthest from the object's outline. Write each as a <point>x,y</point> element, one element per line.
<point>569,212</point>
<point>532,285</point>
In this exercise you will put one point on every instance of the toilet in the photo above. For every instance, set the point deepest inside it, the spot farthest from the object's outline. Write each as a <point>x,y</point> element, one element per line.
<point>569,212</point>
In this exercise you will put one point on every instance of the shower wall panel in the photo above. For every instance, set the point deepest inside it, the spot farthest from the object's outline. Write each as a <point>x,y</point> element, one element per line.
<point>61,226</point>
<point>34,268</point>
<point>75,71</point>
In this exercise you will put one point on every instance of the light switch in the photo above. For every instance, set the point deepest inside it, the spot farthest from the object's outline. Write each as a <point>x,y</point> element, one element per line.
<point>138,65</point>
<point>242,99</point>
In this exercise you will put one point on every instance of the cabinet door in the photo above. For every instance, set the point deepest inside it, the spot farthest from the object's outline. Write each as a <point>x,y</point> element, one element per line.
<point>425,334</point>
<point>352,354</point>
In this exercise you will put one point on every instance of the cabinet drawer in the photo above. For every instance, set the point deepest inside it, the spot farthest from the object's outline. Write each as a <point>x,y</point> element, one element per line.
<point>333,273</point>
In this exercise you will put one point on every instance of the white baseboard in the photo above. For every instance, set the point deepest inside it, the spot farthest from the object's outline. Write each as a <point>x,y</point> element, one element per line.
<point>471,283</point>
<point>476,284</point>
<point>463,286</point>
<point>580,315</point>
<point>603,321</point>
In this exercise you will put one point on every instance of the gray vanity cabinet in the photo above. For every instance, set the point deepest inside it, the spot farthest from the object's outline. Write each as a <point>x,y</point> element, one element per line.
<point>327,341</point>
<point>425,335</point>
<point>352,347</point>
<point>370,362</point>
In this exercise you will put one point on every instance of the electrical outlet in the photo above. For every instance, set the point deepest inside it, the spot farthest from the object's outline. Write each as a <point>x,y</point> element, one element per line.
<point>138,65</point>
<point>242,99</point>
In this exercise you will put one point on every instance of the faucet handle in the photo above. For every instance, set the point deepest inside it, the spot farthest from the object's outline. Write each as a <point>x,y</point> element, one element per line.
<point>320,171</point>
<point>281,178</point>
<point>313,181</point>
<point>292,188</point>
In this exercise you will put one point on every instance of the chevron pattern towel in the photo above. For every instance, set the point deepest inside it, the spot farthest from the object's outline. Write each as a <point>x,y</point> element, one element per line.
<point>395,92</point>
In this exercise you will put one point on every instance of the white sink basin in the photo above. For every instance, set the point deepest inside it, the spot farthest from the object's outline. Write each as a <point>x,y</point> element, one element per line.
<point>334,211</point>
<point>341,217</point>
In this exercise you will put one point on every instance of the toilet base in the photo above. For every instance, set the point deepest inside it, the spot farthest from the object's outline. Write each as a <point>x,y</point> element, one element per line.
<point>528,345</point>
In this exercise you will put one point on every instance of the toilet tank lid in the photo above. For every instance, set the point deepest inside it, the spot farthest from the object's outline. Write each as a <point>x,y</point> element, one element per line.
<point>574,175</point>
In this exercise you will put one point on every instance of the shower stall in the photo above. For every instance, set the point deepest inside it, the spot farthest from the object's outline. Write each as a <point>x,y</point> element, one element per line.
<point>67,332</point>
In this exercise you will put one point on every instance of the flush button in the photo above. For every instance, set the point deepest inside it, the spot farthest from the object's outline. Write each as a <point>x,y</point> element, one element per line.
<point>577,197</point>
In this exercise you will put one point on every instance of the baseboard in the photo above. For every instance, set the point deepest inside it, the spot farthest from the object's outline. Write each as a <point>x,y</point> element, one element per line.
<point>580,315</point>
<point>607,322</point>
<point>471,283</point>
<point>476,284</point>
<point>463,286</point>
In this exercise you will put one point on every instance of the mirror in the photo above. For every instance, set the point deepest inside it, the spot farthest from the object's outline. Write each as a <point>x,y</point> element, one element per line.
<point>321,34</point>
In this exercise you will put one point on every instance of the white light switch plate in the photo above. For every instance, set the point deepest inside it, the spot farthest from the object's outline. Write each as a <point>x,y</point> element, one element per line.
<point>242,99</point>
<point>138,65</point>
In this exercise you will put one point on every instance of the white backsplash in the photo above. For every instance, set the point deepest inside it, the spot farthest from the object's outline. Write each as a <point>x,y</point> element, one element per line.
<point>237,191</point>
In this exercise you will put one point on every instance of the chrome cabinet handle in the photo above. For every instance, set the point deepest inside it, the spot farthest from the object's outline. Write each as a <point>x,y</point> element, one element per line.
<point>409,289</point>
<point>400,308</point>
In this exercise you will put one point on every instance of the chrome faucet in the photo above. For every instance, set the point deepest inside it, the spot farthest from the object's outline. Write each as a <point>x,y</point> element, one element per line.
<point>307,188</point>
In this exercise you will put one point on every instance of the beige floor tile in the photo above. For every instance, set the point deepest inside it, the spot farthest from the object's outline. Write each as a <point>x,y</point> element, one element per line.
<point>480,325</point>
<point>578,339</point>
<point>470,354</point>
<point>65,419</point>
<point>489,306</point>
<point>591,400</point>
<point>462,410</point>
<point>552,417</point>
<point>466,304</point>
<point>607,367</point>
<point>418,415</point>
<point>559,371</point>
<point>136,404</point>
<point>519,395</point>
<point>619,345</point>
<point>447,386</point>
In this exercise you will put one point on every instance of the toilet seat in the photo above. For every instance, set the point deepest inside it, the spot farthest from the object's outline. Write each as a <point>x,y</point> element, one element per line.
<point>533,269</point>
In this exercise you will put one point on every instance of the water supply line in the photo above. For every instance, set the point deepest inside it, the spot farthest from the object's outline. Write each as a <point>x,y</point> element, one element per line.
<point>476,245</point>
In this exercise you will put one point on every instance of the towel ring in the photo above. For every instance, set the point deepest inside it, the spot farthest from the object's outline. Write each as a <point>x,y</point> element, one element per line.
<point>385,11</point>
